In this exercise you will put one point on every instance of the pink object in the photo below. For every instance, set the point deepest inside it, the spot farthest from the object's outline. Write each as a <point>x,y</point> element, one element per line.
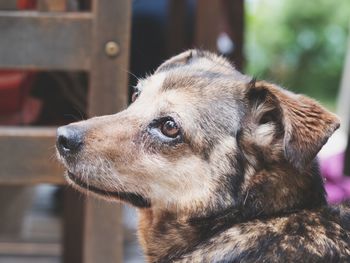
<point>335,194</point>
<point>346,186</point>
<point>337,184</point>
<point>332,167</point>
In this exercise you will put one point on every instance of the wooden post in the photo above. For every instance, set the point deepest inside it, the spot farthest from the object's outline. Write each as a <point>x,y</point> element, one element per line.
<point>207,24</point>
<point>343,109</point>
<point>108,94</point>
<point>176,30</point>
<point>233,11</point>
<point>110,59</point>
<point>73,226</point>
<point>216,16</point>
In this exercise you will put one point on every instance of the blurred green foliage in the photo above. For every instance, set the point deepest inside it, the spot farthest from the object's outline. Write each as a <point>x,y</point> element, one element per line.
<point>300,44</point>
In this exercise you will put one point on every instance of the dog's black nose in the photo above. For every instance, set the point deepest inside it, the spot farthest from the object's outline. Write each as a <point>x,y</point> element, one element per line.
<point>69,139</point>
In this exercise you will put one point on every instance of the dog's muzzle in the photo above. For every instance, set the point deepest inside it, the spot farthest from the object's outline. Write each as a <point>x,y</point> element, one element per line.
<point>70,140</point>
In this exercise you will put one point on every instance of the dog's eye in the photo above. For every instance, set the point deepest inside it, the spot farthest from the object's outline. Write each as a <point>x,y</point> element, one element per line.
<point>166,130</point>
<point>135,95</point>
<point>170,129</point>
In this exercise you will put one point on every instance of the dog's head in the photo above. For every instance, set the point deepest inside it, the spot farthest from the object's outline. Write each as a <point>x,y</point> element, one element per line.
<point>200,135</point>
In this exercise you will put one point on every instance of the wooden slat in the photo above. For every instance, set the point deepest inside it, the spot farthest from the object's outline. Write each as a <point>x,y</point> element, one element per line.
<point>27,156</point>
<point>30,249</point>
<point>8,5</point>
<point>34,40</point>
<point>52,5</point>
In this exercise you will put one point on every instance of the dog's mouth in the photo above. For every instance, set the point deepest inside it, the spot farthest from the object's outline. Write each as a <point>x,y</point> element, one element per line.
<point>132,198</point>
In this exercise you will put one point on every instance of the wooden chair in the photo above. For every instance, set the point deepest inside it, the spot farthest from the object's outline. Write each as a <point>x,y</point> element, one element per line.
<point>96,42</point>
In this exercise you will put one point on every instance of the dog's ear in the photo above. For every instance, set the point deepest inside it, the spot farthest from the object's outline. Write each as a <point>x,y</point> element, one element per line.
<point>179,60</point>
<point>305,124</point>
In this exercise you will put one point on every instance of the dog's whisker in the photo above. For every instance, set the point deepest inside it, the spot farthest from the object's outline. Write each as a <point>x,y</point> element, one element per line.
<point>245,198</point>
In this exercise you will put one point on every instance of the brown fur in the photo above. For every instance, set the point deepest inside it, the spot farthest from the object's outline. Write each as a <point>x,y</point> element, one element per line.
<point>239,181</point>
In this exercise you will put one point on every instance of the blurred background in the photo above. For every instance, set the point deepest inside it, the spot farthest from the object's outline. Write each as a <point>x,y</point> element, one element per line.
<point>65,60</point>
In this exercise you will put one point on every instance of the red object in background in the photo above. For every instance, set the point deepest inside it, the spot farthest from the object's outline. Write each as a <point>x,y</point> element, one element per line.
<point>26,4</point>
<point>14,84</point>
<point>15,104</point>
<point>14,87</point>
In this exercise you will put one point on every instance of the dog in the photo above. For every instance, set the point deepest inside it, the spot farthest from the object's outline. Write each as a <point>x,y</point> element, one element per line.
<point>222,167</point>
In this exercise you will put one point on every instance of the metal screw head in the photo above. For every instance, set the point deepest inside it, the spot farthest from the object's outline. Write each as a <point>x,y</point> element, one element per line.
<point>112,49</point>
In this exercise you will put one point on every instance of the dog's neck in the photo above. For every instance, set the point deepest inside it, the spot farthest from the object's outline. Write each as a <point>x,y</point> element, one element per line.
<point>165,235</point>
